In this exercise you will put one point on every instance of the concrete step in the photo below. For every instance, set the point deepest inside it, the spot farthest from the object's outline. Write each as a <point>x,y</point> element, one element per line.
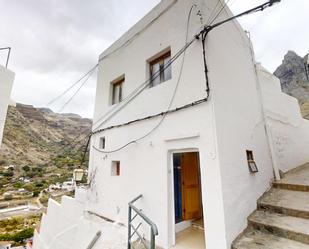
<point>291,186</point>
<point>281,225</point>
<point>292,203</point>
<point>260,240</point>
<point>297,179</point>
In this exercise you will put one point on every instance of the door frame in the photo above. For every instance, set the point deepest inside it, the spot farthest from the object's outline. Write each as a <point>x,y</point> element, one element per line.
<point>170,193</point>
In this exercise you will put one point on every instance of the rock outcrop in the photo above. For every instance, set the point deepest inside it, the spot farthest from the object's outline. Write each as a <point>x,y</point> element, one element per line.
<point>294,76</point>
<point>32,136</point>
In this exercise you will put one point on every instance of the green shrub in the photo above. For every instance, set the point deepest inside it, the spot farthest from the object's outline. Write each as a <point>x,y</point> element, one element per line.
<point>18,185</point>
<point>19,236</point>
<point>29,187</point>
<point>26,168</point>
<point>8,173</point>
<point>36,193</point>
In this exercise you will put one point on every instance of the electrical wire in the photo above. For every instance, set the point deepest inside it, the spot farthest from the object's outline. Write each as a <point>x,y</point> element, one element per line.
<point>76,92</point>
<point>212,13</point>
<point>204,34</point>
<point>172,98</point>
<point>209,28</point>
<point>142,87</point>
<point>153,116</point>
<point>218,14</point>
<point>73,85</point>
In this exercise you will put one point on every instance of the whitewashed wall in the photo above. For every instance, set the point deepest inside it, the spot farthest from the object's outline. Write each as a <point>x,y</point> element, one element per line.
<point>146,166</point>
<point>228,125</point>
<point>6,83</point>
<point>289,131</point>
<point>239,124</point>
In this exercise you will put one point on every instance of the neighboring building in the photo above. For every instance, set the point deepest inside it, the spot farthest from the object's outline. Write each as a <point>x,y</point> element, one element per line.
<point>6,244</point>
<point>69,186</point>
<point>6,83</point>
<point>206,162</point>
<point>54,187</point>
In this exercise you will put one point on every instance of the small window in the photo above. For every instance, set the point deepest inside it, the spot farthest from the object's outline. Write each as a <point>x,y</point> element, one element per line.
<point>115,168</point>
<point>102,142</point>
<point>251,163</point>
<point>160,69</point>
<point>117,91</point>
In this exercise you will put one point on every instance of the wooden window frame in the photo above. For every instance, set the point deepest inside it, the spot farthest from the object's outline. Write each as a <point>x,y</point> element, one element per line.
<point>114,85</point>
<point>159,60</point>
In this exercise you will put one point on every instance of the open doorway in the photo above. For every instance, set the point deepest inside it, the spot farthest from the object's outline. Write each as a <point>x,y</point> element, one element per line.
<point>189,224</point>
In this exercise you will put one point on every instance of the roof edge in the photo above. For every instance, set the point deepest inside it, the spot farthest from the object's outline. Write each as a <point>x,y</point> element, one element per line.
<point>139,27</point>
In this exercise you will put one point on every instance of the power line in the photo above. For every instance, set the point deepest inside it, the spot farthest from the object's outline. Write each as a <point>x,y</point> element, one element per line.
<point>213,12</point>
<point>172,98</point>
<point>142,87</point>
<point>218,14</point>
<point>198,102</point>
<point>76,92</point>
<point>209,28</point>
<point>73,85</point>
<point>203,34</point>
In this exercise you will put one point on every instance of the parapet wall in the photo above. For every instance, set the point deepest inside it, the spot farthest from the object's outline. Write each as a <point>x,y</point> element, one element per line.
<point>6,83</point>
<point>289,132</point>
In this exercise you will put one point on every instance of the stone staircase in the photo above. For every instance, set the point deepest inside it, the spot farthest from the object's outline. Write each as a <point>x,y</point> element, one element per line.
<point>281,220</point>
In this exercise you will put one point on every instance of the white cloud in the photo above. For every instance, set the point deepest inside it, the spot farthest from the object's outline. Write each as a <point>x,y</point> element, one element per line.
<point>55,42</point>
<point>276,30</point>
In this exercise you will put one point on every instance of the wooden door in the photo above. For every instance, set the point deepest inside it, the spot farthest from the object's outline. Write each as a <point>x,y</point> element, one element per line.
<point>191,193</point>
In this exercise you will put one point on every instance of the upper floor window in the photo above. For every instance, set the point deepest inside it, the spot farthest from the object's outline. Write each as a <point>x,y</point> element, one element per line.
<point>160,69</point>
<point>117,91</point>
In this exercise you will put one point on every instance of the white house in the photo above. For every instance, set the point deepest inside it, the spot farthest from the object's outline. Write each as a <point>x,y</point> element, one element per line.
<point>5,244</point>
<point>196,158</point>
<point>6,83</point>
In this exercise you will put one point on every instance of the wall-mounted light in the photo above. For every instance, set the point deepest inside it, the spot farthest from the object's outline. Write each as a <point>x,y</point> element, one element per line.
<point>78,175</point>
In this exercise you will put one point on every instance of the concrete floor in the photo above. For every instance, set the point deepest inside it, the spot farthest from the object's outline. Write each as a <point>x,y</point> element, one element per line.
<point>198,224</point>
<point>191,238</point>
<point>298,176</point>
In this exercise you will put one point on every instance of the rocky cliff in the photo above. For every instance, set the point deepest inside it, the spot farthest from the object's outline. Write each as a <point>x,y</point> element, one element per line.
<point>294,77</point>
<point>34,136</point>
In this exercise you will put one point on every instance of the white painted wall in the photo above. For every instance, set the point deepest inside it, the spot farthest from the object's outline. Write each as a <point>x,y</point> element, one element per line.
<point>6,83</point>
<point>239,124</point>
<point>231,123</point>
<point>146,166</point>
<point>289,131</point>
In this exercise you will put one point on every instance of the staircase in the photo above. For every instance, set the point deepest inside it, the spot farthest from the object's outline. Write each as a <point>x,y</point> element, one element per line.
<point>281,220</point>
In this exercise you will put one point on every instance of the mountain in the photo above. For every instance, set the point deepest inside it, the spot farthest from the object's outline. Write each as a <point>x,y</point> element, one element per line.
<point>38,136</point>
<point>294,77</point>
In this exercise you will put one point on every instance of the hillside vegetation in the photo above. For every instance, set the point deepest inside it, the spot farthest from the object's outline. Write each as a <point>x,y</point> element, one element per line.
<point>41,147</point>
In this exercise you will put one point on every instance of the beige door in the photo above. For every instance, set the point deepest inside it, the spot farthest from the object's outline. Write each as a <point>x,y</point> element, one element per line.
<point>191,194</point>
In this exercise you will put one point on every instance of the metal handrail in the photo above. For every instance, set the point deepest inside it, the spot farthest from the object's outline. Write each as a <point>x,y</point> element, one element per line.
<point>94,240</point>
<point>8,56</point>
<point>153,227</point>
